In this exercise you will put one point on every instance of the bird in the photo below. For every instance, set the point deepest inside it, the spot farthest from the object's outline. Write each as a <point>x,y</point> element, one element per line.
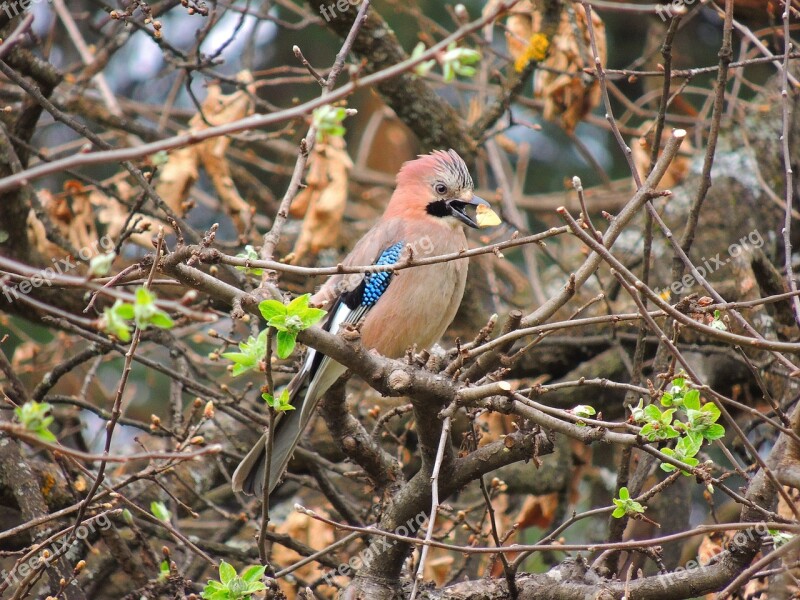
<point>426,215</point>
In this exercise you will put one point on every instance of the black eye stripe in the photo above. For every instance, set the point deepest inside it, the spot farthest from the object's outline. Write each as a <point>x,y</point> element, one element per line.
<point>437,208</point>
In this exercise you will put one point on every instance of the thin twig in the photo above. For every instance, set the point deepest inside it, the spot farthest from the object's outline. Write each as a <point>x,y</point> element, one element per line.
<point>787,161</point>
<point>116,411</point>
<point>443,442</point>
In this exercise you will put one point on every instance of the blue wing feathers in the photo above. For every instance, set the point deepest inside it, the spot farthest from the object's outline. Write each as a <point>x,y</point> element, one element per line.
<point>375,284</point>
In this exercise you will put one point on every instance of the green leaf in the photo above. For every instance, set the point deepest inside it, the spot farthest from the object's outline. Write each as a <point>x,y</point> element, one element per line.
<point>696,438</point>
<point>124,310</point>
<point>712,409</point>
<point>465,71</point>
<point>457,60</point>
<point>649,432</point>
<point>328,121</point>
<point>34,417</point>
<point>162,320</point>
<point>146,312</point>
<point>718,325</point>
<point>284,401</point>
<point>286,343</point>
<point>298,305</point>
<point>291,318</point>
<point>688,446</point>
<point>448,72</point>
<point>691,400</point>
<point>677,455</point>
<point>279,322</point>
<point>159,158</point>
<point>655,431</point>
<point>271,309</point>
<point>424,67</point>
<point>584,410</point>
<point>115,320</point>
<point>160,511</point>
<point>652,412</point>
<point>252,351</point>
<point>624,504</point>
<point>468,56</point>
<point>163,570</point>
<point>226,573</point>
<point>692,462</point>
<point>637,412</point>
<point>714,432</point>
<point>250,253</point>
<point>46,435</point>
<point>144,296</point>
<point>253,574</point>
<point>100,265</point>
<point>282,404</point>
<point>216,586</point>
<point>238,368</point>
<point>215,593</point>
<point>779,538</point>
<point>312,316</point>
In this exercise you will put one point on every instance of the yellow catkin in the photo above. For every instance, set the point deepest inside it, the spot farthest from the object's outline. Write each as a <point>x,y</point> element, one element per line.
<point>535,51</point>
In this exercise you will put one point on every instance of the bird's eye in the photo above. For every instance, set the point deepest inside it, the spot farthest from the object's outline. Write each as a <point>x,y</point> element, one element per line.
<point>441,189</point>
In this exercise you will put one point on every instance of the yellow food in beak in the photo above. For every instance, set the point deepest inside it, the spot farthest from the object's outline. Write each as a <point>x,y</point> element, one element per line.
<point>486,217</point>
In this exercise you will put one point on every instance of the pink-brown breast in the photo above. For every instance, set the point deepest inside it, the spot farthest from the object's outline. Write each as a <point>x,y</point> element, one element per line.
<point>421,302</point>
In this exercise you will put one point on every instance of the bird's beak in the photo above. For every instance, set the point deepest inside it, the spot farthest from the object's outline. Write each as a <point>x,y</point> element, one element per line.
<point>484,215</point>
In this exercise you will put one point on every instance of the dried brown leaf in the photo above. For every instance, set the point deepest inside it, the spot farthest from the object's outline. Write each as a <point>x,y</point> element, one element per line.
<point>113,214</point>
<point>181,171</point>
<point>311,532</point>
<point>324,198</point>
<point>568,95</point>
<point>494,426</point>
<point>71,212</point>
<point>439,568</point>
<point>520,27</point>
<point>538,511</point>
<point>177,177</point>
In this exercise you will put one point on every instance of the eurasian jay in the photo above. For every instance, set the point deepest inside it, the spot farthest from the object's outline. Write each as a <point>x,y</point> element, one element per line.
<point>415,306</point>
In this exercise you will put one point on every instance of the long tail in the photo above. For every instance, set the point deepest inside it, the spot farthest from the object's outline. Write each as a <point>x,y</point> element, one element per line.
<point>305,391</point>
<point>249,476</point>
<point>317,374</point>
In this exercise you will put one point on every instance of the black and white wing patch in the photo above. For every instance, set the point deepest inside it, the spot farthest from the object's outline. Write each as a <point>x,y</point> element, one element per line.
<point>350,308</point>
